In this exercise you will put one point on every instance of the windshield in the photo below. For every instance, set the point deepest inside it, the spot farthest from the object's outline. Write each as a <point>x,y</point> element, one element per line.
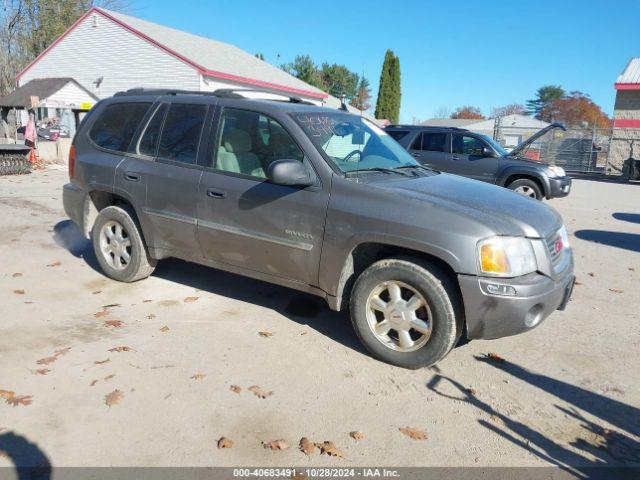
<point>496,146</point>
<point>353,143</point>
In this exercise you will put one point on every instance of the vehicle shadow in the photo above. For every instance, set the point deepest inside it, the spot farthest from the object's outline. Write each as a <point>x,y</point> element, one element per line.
<point>299,307</point>
<point>67,235</point>
<point>627,241</point>
<point>29,460</point>
<point>593,448</point>
<point>627,217</point>
<point>305,309</point>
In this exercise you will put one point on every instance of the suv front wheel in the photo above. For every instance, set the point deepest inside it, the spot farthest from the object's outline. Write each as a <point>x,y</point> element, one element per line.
<point>118,246</point>
<point>526,187</point>
<point>404,313</point>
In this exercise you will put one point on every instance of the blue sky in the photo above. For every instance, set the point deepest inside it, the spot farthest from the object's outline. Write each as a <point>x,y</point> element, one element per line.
<point>484,53</point>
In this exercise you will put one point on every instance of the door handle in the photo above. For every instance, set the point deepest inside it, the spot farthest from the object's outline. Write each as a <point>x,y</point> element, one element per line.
<point>132,176</point>
<point>213,193</point>
<point>455,157</point>
<point>416,154</point>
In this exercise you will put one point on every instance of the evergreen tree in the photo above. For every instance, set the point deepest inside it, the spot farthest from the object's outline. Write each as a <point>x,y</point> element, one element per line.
<point>389,92</point>
<point>539,107</point>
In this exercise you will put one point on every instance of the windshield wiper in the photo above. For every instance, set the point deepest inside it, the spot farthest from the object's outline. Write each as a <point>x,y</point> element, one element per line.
<point>378,169</point>
<point>417,166</point>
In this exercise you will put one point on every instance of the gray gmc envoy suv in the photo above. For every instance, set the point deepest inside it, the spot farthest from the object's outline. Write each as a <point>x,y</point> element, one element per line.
<point>319,200</point>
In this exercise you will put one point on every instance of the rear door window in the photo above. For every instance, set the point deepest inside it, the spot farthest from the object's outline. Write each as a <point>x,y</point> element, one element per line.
<point>181,132</point>
<point>117,124</point>
<point>149,142</point>
<point>434,142</point>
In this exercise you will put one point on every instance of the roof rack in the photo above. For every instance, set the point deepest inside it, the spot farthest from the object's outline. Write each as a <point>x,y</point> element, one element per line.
<point>236,93</point>
<point>221,93</point>
<point>160,91</point>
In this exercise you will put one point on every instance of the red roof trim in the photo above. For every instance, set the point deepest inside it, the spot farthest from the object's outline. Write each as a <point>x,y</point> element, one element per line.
<point>627,86</point>
<point>626,123</point>
<point>199,68</point>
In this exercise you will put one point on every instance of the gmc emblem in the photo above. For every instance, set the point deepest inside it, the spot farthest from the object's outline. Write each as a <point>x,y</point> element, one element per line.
<point>557,246</point>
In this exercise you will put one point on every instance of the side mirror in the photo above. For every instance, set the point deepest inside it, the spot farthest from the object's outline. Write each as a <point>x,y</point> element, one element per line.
<point>289,172</point>
<point>488,152</point>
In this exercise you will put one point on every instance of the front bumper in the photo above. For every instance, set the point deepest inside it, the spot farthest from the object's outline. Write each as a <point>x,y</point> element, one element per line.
<point>559,187</point>
<point>493,316</point>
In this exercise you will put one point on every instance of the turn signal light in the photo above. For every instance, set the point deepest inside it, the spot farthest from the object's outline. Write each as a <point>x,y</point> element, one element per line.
<point>493,258</point>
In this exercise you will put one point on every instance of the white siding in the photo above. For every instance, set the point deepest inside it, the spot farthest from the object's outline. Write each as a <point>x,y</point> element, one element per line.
<point>68,96</point>
<point>109,50</point>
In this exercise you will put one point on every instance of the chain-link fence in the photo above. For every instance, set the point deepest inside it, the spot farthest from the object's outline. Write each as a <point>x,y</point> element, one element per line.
<point>576,150</point>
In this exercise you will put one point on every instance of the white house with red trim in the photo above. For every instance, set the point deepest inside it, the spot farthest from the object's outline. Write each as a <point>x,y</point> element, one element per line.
<point>107,52</point>
<point>625,141</point>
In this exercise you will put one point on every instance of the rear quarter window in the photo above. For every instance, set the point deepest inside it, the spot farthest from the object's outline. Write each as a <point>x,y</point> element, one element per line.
<point>397,135</point>
<point>116,124</point>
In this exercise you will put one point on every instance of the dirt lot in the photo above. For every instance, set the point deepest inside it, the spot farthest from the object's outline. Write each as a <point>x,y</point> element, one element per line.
<point>567,393</point>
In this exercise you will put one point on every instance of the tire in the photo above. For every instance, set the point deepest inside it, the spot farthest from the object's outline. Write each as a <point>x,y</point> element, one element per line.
<point>526,187</point>
<point>115,264</point>
<point>443,312</point>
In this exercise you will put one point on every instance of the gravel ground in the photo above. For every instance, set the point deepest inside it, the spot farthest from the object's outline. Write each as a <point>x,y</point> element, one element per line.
<point>567,393</point>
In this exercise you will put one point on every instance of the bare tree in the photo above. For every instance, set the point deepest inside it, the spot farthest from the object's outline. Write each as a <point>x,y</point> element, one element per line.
<point>442,112</point>
<point>511,109</point>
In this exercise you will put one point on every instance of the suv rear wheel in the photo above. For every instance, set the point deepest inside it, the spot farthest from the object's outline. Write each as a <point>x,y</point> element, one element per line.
<point>118,246</point>
<point>405,313</point>
<point>526,187</point>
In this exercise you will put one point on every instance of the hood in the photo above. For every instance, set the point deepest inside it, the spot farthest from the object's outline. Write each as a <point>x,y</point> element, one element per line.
<point>504,211</point>
<point>522,145</point>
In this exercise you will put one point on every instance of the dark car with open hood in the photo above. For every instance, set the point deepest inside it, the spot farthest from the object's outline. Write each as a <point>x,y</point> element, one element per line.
<point>477,156</point>
<point>321,201</point>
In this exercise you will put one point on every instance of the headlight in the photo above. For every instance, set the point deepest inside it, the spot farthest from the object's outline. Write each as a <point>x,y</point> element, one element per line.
<point>506,256</point>
<point>564,236</point>
<point>557,171</point>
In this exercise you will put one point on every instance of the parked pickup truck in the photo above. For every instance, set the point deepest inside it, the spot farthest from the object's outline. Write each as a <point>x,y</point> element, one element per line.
<point>473,155</point>
<point>321,201</point>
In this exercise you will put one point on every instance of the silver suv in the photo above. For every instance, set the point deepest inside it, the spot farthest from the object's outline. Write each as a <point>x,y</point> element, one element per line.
<point>321,201</point>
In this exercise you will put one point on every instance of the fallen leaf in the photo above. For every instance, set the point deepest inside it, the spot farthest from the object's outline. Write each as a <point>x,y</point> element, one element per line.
<point>16,275</point>
<point>60,352</point>
<point>46,360</point>
<point>357,435</point>
<point>307,446</point>
<point>109,377</point>
<point>164,329</point>
<point>102,362</point>
<point>198,376</point>
<point>615,290</point>
<point>96,292</point>
<point>577,283</point>
<point>54,264</point>
<point>330,449</point>
<point>276,445</point>
<point>224,442</point>
<point>265,334</point>
<point>304,333</point>
<point>16,400</point>
<point>19,292</point>
<point>102,313</point>
<point>40,371</point>
<point>121,349</point>
<point>471,391</point>
<point>258,392</point>
<point>105,307</point>
<point>113,398</point>
<point>151,316</point>
<point>93,383</point>
<point>631,269</point>
<point>113,323</point>
<point>147,301</point>
<point>591,274</point>
<point>235,388</point>
<point>190,299</point>
<point>6,394</point>
<point>413,433</point>
<point>495,357</point>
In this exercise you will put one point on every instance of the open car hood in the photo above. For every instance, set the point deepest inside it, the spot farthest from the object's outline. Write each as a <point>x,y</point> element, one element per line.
<point>523,145</point>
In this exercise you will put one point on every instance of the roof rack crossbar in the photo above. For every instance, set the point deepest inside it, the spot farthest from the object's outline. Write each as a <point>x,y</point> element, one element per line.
<point>161,91</point>
<point>236,93</point>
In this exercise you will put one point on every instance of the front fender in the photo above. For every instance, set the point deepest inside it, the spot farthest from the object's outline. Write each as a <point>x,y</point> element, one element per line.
<point>524,171</point>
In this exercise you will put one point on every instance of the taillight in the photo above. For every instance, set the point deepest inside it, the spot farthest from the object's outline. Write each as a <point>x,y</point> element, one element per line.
<point>72,161</point>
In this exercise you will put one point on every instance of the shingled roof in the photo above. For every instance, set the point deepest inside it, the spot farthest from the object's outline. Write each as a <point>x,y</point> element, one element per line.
<point>42,88</point>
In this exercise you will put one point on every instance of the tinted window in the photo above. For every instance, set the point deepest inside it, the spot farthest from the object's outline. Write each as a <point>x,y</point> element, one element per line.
<point>249,142</point>
<point>397,134</point>
<point>181,132</point>
<point>466,145</point>
<point>117,124</point>
<point>434,142</point>
<point>149,141</point>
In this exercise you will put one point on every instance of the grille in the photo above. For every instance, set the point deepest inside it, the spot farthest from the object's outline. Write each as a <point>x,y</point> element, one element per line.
<point>550,241</point>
